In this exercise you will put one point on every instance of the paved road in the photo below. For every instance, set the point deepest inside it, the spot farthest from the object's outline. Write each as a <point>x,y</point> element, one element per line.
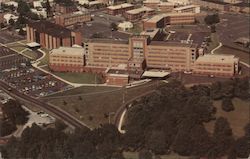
<point>58,113</point>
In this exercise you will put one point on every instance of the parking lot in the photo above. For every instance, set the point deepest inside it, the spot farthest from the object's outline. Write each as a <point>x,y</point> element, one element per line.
<point>195,34</point>
<point>232,27</point>
<point>9,37</point>
<point>17,71</point>
<point>101,26</point>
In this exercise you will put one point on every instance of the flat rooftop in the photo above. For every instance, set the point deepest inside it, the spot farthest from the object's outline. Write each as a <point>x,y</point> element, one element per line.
<point>150,33</point>
<point>69,51</point>
<point>217,58</point>
<point>124,5</point>
<point>152,1</point>
<point>158,17</point>
<point>217,2</point>
<point>139,10</point>
<point>169,43</point>
<point>111,41</point>
<point>186,7</point>
<point>53,29</point>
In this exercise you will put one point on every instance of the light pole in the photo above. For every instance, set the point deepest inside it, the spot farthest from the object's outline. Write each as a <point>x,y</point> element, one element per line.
<point>110,113</point>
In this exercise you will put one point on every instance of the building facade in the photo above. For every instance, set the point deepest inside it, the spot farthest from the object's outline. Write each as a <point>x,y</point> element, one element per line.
<point>138,14</point>
<point>73,18</point>
<point>50,35</point>
<point>119,9</point>
<point>188,9</point>
<point>216,65</point>
<point>67,59</point>
<point>161,20</point>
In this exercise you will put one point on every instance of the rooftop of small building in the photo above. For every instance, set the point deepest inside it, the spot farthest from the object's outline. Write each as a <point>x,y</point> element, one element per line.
<point>174,44</point>
<point>152,1</point>
<point>124,5</point>
<point>186,7</point>
<point>217,58</point>
<point>151,32</point>
<point>139,10</point>
<point>158,17</point>
<point>50,28</point>
<point>71,51</point>
<point>217,2</point>
<point>106,40</point>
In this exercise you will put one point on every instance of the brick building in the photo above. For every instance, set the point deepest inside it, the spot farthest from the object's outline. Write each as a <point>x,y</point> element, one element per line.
<point>50,35</point>
<point>67,59</point>
<point>158,5</point>
<point>188,9</point>
<point>161,20</point>
<point>65,9</point>
<point>216,65</point>
<point>138,13</point>
<point>212,4</point>
<point>162,55</point>
<point>72,18</point>
<point>1,17</point>
<point>119,9</point>
<point>118,77</point>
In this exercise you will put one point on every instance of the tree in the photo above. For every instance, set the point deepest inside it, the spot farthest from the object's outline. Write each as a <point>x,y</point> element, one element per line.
<point>23,8</point>
<point>11,22</point>
<point>59,125</point>
<point>222,138</point>
<point>48,8</point>
<point>145,154</point>
<point>212,19</point>
<point>227,105</point>
<point>242,147</point>
<point>15,113</point>
<point>157,142</point>
<point>113,26</point>
<point>21,32</point>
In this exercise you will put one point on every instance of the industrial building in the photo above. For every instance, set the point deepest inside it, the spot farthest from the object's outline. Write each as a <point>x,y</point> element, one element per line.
<point>119,9</point>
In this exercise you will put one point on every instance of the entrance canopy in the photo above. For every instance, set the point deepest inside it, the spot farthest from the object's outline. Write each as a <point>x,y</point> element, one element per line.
<point>33,44</point>
<point>155,74</point>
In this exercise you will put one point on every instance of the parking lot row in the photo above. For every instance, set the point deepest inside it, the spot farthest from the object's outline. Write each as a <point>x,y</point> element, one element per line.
<point>17,71</point>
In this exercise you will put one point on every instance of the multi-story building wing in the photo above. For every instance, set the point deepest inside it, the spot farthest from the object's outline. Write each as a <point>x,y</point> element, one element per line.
<point>216,65</point>
<point>174,56</point>
<point>119,9</point>
<point>106,53</point>
<point>67,59</point>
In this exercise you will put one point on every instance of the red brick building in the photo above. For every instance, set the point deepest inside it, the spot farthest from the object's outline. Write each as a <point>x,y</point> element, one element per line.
<point>119,9</point>
<point>67,59</point>
<point>65,9</point>
<point>50,35</point>
<point>138,13</point>
<point>117,77</point>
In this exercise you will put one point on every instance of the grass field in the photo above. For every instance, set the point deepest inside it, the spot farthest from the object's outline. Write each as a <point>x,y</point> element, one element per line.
<point>45,60</point>
<point>31,54</point>
<point>88,78</point>
<point>92,108</point>
<point>244,56</point>
<point>17,46</point>
<point>134,155</point>
<point>237,118</point>
<point>214,42</point>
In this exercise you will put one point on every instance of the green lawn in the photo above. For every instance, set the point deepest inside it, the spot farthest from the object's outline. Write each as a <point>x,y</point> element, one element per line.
<point>88,78</point>
<point>31,54</point>
<point>237,118</point>
<point>214,42</point>
<point>16,46</point>
<point>244,56</point>
<point>96,105</point>
<point>45,60</point>
<point>134,155</point>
